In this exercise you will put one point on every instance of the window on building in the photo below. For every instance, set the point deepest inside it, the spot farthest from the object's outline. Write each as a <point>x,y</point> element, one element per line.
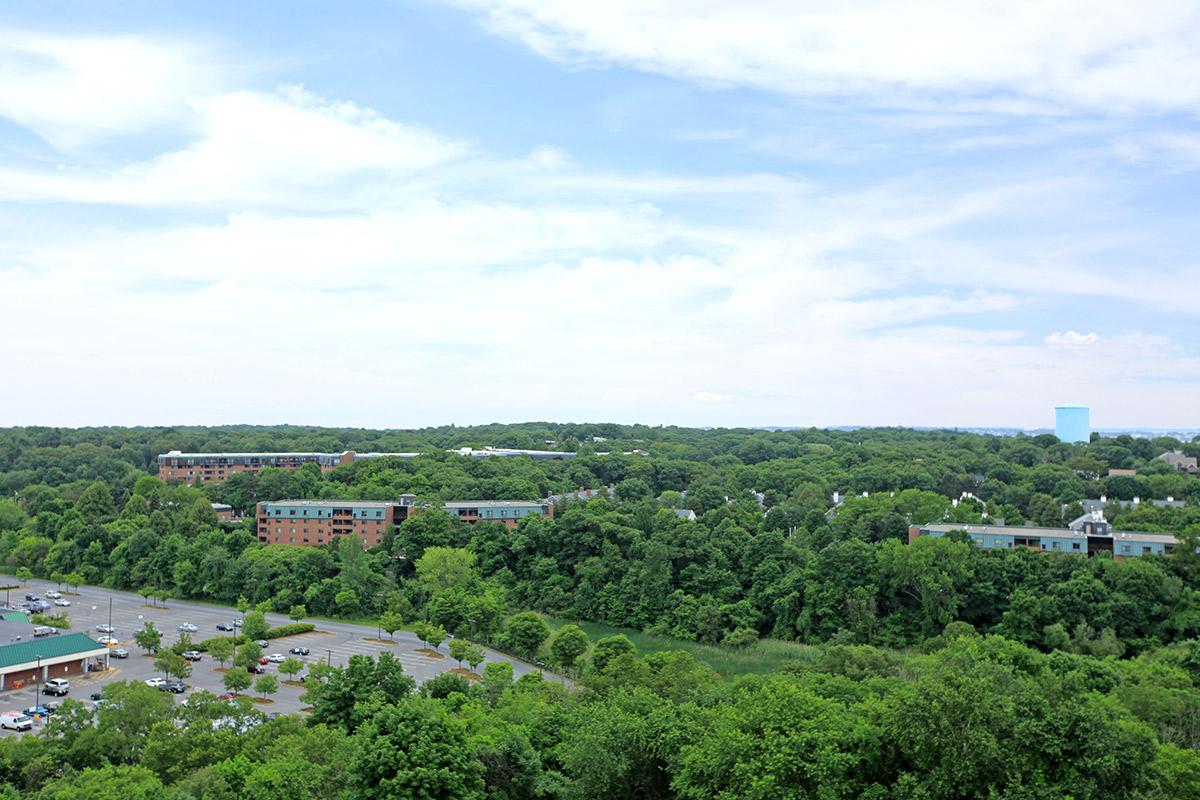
<point>1146,551</point>
<point>1074,545</point>
<point>1124,548</point>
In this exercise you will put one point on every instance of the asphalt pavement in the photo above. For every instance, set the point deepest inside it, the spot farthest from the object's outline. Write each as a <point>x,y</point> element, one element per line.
<point>334,642</point>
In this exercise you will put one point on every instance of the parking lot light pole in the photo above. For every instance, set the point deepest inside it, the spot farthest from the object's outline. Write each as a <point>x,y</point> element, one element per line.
<point>329,658</point>
<point>38,681</point>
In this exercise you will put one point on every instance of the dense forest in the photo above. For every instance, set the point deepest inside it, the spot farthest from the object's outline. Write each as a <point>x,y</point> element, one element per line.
<point>938,669</point>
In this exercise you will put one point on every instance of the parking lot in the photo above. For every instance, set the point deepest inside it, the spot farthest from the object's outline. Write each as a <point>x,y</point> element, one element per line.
<point>332,641</point>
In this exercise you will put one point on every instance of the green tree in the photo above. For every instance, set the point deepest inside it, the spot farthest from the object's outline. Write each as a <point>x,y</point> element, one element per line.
<point>475,656</point>
<point>221,649</point>
<point>415,751</point>
<point>459,649</point>
<point>442,568</point>
<point>609,648</point>
<point>297,613</point>
<point>171,664</point>
<point>73,579</point>
<point>148,638</point>
<point>266,684</point>
<point>96,504</point>
<point>254,625</point>
<point>524,634</point>
<point>391,622</point>
<point>109,782</point>
<point>568,644</point>
<point>248,654</point>
<point>236,680</point>
<point>24,575</point>
<point>291,667</point>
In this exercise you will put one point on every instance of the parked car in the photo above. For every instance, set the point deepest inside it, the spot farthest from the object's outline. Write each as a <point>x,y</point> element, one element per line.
<point>237,623</point>
<point>61,602</point>
<point>57,687</point>
<point>109,640</point>
<point>224,626</point>
<point>119,652</point>
<point>226,696</point>
<point>299,651</point>
<point>277,658</point>
<point>156,683</point>
<point>96,697</point>
<point>44,630</point>
<point>188,627</point>
<point>192,655</point>
<point>40,605</point>
<point>261,642</point>
<point>104,627</point>
<point>257,669</point>
<point>30,597</point>
<point>53,595</point>
<point>174,687</point>
<point>15,721</point>
<point>41,710</point>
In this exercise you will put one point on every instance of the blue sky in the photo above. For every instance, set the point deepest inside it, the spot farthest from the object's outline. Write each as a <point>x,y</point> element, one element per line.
<point>407,213</point>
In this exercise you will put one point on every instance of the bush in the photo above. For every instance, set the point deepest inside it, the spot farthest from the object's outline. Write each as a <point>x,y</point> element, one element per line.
<point>289,630</point>
<point>60,621</point>
<point>740,637</point>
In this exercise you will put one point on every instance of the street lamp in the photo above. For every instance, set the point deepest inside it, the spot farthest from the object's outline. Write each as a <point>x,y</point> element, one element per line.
<point>37,678</point>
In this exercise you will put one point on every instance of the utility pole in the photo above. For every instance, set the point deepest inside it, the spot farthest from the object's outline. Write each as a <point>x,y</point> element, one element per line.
<point>110,633</point>
<point>37,698</point>
<point>329,658</point>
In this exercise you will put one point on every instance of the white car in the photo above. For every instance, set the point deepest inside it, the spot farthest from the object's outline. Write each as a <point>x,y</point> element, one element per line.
<point>188,627</point>
<point>61,602</point>
<point>53,595</point>
<point>111,641</point>
<point>155,683</point>
<point>105,628</point>
<point>276,658</point>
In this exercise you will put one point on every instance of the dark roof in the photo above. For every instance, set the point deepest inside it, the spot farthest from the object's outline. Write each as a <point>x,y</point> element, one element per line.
<point>65,644</point>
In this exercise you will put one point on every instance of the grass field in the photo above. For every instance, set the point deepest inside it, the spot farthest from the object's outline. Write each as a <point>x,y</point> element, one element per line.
<point>764,656</point>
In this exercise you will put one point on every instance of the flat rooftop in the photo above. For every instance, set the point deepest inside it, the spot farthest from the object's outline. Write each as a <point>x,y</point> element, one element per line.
<point>1021,530</point>
<point>493,503</point>
<point>332,503</point>
<point>177,454</point>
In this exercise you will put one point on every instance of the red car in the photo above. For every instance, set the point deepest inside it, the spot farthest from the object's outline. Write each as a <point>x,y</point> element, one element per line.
<point>264,660</point>
<point>226,696</point>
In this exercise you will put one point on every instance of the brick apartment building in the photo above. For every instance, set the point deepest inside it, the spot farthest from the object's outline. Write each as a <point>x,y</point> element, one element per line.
<point>316,522</point>
<point>197,468</point>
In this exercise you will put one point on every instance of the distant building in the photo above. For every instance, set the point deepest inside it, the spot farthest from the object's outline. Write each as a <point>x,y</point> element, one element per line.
<point>316,522</point>
<point>509,512</point>
<point>1122,473</point>
<point>197,468</point>
<point>1092,536</point>
<point>223,510</point>
<point>1072,423</point>
<point>1177,460</point>
<point>509,452</point>
<point>685,513</point>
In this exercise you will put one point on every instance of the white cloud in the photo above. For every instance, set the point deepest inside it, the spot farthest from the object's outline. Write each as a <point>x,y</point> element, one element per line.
<point>1070,339</point>
<point>1012,58</point>
<point>71,90</point>
<point>288,148</point>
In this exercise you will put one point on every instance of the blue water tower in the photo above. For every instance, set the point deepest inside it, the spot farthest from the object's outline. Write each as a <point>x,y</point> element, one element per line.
<point>1072,423</point>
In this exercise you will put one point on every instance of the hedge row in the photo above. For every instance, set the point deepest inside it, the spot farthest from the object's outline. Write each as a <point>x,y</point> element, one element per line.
<point>274,633</point>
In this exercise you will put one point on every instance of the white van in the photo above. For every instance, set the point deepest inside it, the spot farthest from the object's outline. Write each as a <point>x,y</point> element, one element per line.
<point>44,630</point>
<point>15,721</point>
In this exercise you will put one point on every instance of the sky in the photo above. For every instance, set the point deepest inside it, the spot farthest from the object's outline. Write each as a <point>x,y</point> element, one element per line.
<point>398,213</point>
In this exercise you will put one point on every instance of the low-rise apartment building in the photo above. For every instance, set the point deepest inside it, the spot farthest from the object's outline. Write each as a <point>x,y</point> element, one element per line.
<point>1091,537</point>
<point>509,512</point>
<point>197,468</point>
<point>316,522</point>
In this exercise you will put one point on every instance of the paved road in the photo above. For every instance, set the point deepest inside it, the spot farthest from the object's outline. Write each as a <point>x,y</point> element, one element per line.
<point>332,641</point>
